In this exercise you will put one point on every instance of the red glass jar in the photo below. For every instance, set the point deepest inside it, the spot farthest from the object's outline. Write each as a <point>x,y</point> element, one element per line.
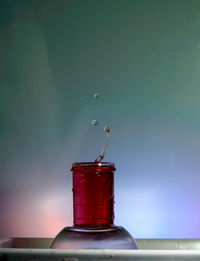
<point>93,194</point>
<point>93,204</point>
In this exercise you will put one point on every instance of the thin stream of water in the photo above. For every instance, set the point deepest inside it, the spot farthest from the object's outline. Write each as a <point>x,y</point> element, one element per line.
<point>101,156</point>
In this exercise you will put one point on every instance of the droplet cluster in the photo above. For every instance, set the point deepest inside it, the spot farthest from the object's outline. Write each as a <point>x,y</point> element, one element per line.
<point>106,129</point>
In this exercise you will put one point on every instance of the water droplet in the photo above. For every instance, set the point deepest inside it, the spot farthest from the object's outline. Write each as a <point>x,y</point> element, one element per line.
<point>107,128</point>
<point>96,95</point>
<point>95,122</point>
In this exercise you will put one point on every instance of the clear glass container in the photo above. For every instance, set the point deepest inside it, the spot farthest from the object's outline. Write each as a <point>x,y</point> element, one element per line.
<point>93,206</point>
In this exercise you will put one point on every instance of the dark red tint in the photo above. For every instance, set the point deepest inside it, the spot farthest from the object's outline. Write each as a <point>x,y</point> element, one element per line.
<point>93,194</point>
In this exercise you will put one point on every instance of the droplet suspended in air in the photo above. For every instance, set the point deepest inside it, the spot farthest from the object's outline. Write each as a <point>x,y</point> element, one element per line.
<point>107,129</point>
<point>95,122</point>
<point>96,95</point>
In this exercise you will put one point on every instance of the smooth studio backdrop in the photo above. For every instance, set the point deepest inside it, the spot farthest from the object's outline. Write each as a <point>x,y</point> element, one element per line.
<point>143,58</point>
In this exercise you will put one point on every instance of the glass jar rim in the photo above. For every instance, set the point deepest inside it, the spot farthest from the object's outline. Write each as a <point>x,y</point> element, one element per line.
<point>91,166</point>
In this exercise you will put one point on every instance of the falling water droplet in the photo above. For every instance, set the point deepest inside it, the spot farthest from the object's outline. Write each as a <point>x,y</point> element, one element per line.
<point>95,122</point>
<point>107,129</point>
<point>96,95</point>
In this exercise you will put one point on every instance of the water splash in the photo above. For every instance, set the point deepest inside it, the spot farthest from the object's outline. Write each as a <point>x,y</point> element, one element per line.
<point>106,130</point>
<point>101,156</point>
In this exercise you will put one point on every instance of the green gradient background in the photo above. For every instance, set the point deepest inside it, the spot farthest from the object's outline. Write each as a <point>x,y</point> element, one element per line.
<point>143,57</point>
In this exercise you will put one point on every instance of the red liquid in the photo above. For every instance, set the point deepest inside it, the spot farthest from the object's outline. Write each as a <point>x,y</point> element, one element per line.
<point>93,194</point>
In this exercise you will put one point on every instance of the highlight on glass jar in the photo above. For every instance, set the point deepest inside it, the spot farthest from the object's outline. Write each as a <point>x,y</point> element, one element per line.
<point>93,211</point>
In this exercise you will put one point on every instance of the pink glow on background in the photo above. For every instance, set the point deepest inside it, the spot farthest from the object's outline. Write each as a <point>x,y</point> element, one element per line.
<point>28,215</point>
<point>146,211</point>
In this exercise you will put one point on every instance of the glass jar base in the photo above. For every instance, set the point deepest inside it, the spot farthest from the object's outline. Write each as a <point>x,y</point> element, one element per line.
<point>113,237</point>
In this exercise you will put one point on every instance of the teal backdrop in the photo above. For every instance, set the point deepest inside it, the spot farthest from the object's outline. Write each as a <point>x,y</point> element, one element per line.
<point>143,58</point>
